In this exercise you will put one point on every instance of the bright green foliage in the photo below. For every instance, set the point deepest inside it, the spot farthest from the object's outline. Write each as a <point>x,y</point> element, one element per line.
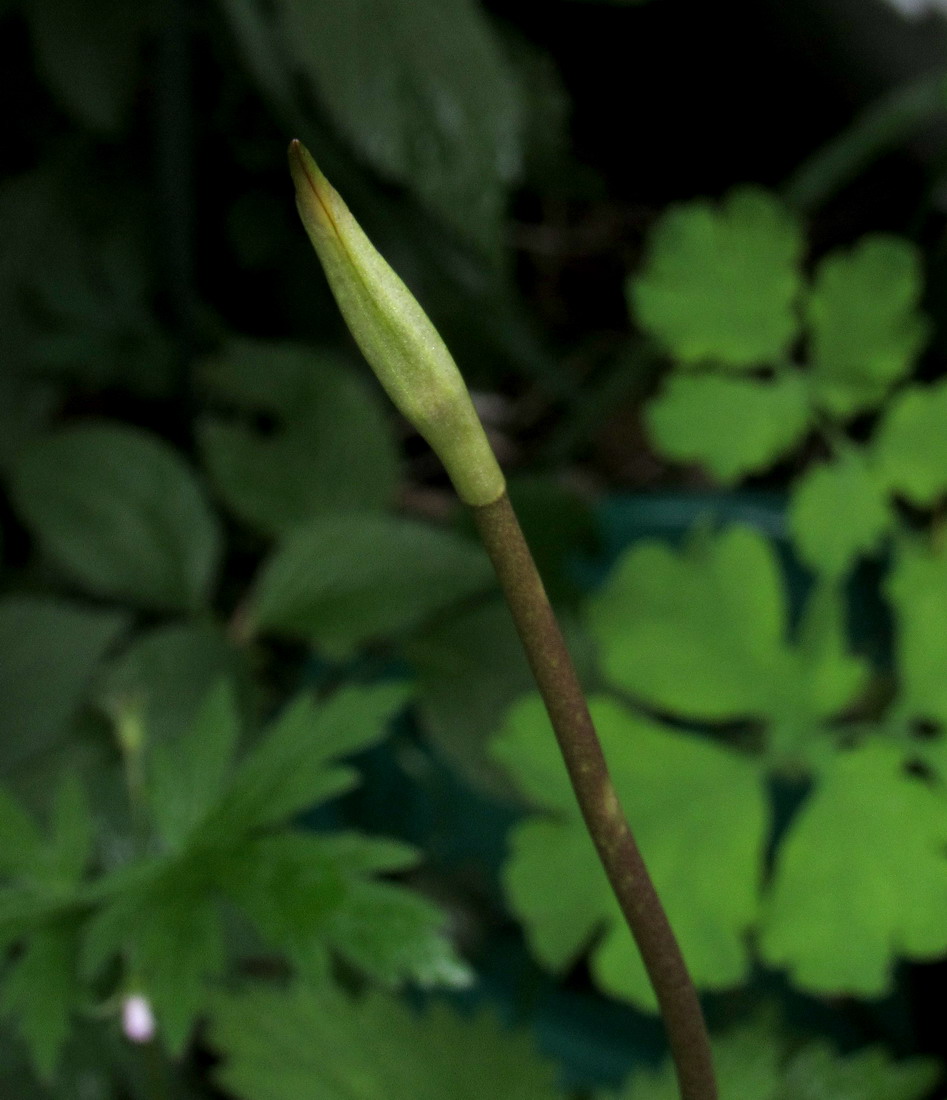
<point>700,819</point>
<point>838,512</point>
<point>865,327</point>
<point>49,650</point>
<point>860,878</point>
<point>120,512</point>
<point>700,633</point>
<point>720,282</point>
<point>329,449</point>
<point>755,1063</point>
<point>424,94</point>
<point>910,445</point>
<point>348,579</point>
<point>287,1044</point>
<point>917,588</point>
<point>166,673</point>
<point>732,426</point>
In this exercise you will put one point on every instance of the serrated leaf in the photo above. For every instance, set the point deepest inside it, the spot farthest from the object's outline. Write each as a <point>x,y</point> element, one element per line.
<point>700,632</point>
<point>390,933</point>
<point>864,324</point>
<point>187,775</point>
<point>88,57</point>
<point>343,580</point>
<point>818,1073</point>
<point>838,513</point>
<point>699,813</point>
<point>40,990</point>
<point>292,768</point>
<point>330,449</point>
<point>121,513</point>
<point>917,589</point>
<point>49,650</point>
<point>732,426</point>
<point>170,932</point>
<point>860,877</point>
<point>423,93</point>
<point>720,281</point>
<point>166,673</point>
<point>297,1042</point>
<point>909,448</point>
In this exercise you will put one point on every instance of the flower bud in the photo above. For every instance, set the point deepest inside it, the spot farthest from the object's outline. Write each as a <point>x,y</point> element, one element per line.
<point>396,337</point>
<point>138,1019</point>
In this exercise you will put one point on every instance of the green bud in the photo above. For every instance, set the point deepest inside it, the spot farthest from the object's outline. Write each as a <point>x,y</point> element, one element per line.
<point>396,337</point>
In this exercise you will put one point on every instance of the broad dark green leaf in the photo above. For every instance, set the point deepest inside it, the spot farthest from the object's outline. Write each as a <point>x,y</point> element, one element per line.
<point>166,673</point>
<point>423,93</point>
<point>88,56</point>
<point>347,579</point>
<point>330,448</point>
<point>120,512</point>
<point>49,650</point>
<point>288,1044</point>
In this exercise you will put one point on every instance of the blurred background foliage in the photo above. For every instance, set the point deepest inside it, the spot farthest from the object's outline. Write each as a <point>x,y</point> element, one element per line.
<point>691,259</point>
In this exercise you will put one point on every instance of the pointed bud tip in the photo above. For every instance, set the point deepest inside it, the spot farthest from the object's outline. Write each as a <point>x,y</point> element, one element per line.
<point>310,185</point>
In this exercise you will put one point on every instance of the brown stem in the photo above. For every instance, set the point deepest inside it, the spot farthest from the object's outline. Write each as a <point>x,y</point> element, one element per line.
<point>569,713</point>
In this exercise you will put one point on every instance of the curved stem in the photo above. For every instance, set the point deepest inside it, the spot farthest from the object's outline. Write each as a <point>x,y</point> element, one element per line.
<point>568,711</point>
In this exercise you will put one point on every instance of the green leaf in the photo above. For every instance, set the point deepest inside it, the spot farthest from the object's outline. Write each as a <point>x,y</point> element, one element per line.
<point>720,282</point>
<point>331,448</point>
<point>699,632</point>
<point>423,93</point>
<point>282,1045</point>
<point>470,668</point>
<point>20,839</point>
<point>289,771</point>
<point>41,991</point>
<point>88,56</point>
<point>170,932</point>
<point>344,580</point>
<point>187,775</point>
<point>700,816</point>
<point>390,933</point>
<point>860,878</point>
<point>121,513</point>
<point>917,590</point>
<point>864,325</point>
<point>732,426</point>
<point>166,673</point>
<point>838,513</point>
<point>752,1062</point>
<point>49,650</point>
<point>818,1073</point>
<point>909,449</point>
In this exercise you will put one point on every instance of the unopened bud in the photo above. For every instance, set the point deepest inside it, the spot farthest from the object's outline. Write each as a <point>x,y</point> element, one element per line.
<point>396,337</point>
<point>138,1019</point>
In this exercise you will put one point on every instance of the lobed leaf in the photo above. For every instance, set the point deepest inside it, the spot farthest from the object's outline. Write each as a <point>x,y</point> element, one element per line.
<point>700,816</point>
<point>720,282</point>
<point>909,448</point>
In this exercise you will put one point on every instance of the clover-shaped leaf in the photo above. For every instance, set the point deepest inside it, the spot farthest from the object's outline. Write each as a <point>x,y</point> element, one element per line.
<point>838,512</point>
<point>910,446</point>
<point>700,815</point>
<point>720,283</point>
<point>698,633</point>
<point>732,426</point>
<point>861,876</point>
<point>917,589</point>
<point>865,327</point>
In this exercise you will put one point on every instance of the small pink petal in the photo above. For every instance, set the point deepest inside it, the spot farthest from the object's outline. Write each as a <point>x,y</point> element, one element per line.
<point>138,1020</point>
